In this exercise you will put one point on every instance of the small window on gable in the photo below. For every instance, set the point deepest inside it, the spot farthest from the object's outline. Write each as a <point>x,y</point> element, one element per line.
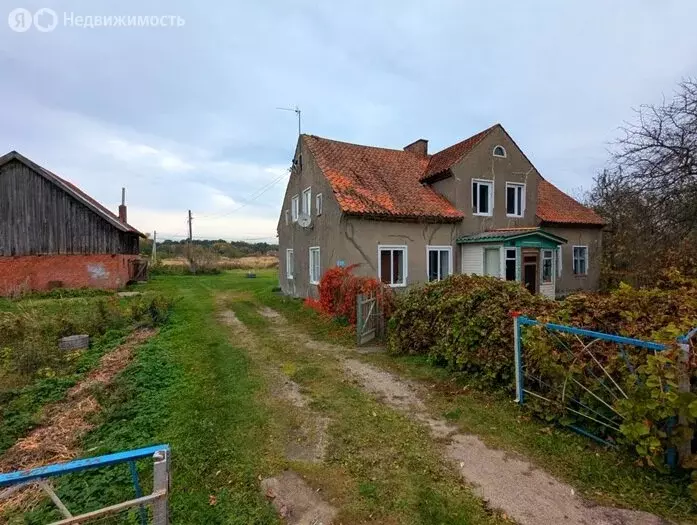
<point>295,208</point>
<point>318,204</point>
<point>500,151</point>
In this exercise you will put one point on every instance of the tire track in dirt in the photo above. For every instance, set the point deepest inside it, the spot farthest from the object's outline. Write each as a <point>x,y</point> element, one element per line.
<point>295,501</point>
<point>506,481</point>
<point>64,423</point>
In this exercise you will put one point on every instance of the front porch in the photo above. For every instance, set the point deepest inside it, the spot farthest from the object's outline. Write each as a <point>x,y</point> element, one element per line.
<point>527,255</point>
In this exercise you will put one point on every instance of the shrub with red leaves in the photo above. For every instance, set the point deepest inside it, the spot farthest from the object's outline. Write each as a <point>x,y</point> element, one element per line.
<point>339,288</point>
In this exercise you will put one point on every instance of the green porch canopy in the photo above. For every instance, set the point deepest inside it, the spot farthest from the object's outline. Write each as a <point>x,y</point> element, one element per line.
<point>515,237</point>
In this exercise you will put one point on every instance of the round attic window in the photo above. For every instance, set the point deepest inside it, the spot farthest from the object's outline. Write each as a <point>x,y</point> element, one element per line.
<point>499,151</point>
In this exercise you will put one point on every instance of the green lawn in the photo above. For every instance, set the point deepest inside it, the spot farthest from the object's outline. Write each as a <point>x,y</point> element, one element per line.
<point>205,392</point>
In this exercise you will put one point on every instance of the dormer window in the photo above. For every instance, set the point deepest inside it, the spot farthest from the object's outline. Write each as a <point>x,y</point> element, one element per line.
<point>500,151</point>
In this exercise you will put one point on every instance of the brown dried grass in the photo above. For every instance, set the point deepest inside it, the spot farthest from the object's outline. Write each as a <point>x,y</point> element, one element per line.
<point>64,423</point>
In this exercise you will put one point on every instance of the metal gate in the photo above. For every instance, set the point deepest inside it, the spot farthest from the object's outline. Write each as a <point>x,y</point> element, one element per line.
<point>369,318</point>
<point>143,509</point>
<point>584,386</point>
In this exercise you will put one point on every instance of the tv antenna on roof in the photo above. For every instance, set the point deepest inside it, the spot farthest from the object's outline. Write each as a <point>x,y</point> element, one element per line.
<point>297,111</point>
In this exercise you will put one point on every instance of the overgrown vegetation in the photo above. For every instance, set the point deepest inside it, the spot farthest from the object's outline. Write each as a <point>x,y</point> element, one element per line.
<point>648,194</point>
<point>34,371</point>
<point>465,323</point>
<point>338,290</point>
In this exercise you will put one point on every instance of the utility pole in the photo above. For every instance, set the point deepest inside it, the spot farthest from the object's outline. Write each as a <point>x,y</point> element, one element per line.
<point>190,236</point>
<point>154,247</point>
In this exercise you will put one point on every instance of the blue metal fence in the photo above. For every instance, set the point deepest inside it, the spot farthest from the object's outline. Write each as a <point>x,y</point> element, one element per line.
<point>589,390</point>
<point>157,500</point>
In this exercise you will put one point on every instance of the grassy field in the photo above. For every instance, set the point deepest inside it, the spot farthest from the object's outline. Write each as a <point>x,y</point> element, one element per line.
<point>207,391</point>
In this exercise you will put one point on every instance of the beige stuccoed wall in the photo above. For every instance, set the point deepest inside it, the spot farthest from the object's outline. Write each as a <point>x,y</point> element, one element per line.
<point>323,232</point>
<point>481,164</point>
<point>362,237</point>
<point>578,236</point>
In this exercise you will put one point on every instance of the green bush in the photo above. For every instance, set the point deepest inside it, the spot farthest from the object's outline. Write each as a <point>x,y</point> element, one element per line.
<point>465,323</point>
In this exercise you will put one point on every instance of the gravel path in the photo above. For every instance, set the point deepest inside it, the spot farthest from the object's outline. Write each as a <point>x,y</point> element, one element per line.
<point>508,482</point>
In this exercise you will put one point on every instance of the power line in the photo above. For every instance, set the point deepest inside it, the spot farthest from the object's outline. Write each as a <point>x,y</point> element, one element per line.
<point>254,196</point>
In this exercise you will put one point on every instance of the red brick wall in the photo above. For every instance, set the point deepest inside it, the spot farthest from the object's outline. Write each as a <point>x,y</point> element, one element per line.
<point>43,272</point>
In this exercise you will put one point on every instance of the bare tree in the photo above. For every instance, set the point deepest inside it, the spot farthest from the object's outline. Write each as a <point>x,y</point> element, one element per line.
<point>649,195</point>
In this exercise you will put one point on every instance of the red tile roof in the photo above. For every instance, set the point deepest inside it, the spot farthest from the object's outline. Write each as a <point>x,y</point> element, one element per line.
<point>445,159</point>
<point>389,183</point>
<point>379,182</point>
<point>553,205</point>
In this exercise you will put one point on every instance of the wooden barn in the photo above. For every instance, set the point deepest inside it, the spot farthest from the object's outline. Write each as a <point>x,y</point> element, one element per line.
<point>53,235</point>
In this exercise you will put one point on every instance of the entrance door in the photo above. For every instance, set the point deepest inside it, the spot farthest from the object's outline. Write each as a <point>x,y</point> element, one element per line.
<point>530,272</point>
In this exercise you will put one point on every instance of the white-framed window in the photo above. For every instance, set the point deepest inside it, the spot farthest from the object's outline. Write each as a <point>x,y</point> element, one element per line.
<point>511,261</point>
<point>392,265</point>
<point>482,197</point>
<point>439,262</point>
<point>492,262</point>
<point>290,263</point>
<point>315,268</point>
<point>580,260</point>
<point>307,201</point>
<point>287,214</point>
<point>318,204</point>
<point>547,258</point>
<point>559,261</point>
<point>499,151</point>
<point>295,208</point>
<point>515,199</point>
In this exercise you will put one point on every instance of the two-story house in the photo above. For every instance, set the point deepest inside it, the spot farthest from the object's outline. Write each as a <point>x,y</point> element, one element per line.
<point>405,216</point>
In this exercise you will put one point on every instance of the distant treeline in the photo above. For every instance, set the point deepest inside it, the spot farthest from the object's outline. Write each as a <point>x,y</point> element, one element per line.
<point>232,249</point>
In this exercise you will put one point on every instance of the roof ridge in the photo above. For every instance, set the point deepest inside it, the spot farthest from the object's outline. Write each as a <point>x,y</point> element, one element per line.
<point>382,148</point>
<point>106,213</point>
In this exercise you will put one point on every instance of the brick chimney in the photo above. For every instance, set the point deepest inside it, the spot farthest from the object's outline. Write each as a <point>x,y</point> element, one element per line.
<point>419,147</point>
<point>123,217</point>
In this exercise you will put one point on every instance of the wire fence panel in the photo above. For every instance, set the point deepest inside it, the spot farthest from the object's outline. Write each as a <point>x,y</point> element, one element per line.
<point>584,383</point>
<point>26,486</point>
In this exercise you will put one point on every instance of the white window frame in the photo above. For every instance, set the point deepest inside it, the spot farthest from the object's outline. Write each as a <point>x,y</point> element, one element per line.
<point>314,279</point>
<point>405,258</point>
<point>287,215</point>
<point>306,200</point>
<point>489,183</point>
<point>295,208</point>
<point>319,204</point>
<point>560,256</point>
<point>506,258</point>
<point>573,257</point>
<point>438,249</point>
<point>550,253</point>
<point>290,263</point>
<point>493,152</point>
<point>521,212</point>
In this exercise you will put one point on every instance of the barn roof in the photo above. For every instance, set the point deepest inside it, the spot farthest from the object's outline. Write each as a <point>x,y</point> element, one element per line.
<point>71,190</point>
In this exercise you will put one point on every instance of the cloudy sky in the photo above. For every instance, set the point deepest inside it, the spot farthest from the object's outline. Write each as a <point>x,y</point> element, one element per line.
<point>185,117</point>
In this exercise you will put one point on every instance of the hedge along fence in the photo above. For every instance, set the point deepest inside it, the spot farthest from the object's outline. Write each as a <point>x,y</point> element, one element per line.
<point>338,290</point>
<point>465,324</point>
